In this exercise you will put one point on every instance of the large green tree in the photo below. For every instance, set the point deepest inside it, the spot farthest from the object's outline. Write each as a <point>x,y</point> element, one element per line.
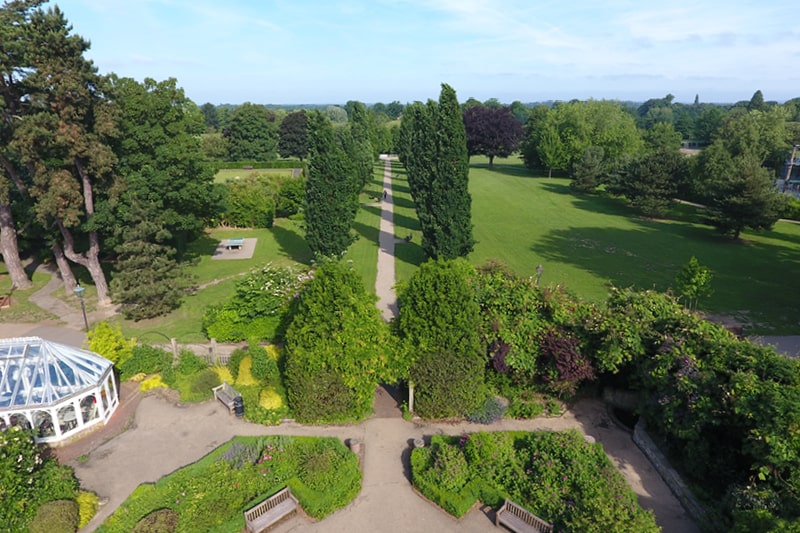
<point>331,200</point>
<point>434,150</point>
<point>361,152</point>
<point>293,135</point>
<point>652,181</point>
<point>252,133</point>
<point>64,139</point>
<point>338,349</point>
<point>439,321</point>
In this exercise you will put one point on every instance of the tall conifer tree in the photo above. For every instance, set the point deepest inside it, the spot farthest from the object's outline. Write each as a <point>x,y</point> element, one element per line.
<point>330,202</point>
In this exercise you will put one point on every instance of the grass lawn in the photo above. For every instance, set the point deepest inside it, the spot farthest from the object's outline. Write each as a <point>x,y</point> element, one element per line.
<point>21,309</point>
<point>363,253</point>
<point>588,243</point>
<point>225,174</point>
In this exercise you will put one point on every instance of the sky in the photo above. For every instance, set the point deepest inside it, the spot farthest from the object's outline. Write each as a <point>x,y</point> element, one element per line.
<point>332,51</point>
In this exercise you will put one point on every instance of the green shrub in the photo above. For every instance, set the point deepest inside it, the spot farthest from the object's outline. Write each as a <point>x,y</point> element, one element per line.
<point>29,477</point>
<point>109,342</point>
<point>60,516</point>
<point>447,384</point>
<point>160,521</point>
<point>145,359</point>
<point>264,367</point>
<point>519,408</point>
<point>189,363</point>
<point>492,410</point>
<point>792,211</point>
<point>455,503</point>
<point>88,503</point>
<point>202,382</point>
<point>234,362</point>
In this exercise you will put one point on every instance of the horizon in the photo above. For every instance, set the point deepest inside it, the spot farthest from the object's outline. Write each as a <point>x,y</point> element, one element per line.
<point>276,52</point>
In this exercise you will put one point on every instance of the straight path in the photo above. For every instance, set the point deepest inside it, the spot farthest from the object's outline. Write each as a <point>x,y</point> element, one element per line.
<point>385,279</point>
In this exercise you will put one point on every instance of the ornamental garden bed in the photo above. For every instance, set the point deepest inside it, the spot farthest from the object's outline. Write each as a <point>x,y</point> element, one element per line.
<point>213,493</point>
<point>557,476</point>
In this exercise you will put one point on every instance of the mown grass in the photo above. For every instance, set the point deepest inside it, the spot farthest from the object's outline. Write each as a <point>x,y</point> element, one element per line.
<point>225,174</point>
<point>21,309</point>
<point>588,243</point>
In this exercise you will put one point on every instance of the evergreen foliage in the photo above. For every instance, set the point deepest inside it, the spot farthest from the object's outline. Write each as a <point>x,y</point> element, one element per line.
<point>337,348</point>
<point>434,150</point>
<point>362,151</point>
<point>331,202</point>
<point>252,133</point>
<point>293,135</point>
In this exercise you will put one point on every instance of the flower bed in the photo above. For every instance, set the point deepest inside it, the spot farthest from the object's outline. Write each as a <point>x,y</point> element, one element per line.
<point>558,476</point>
<point>213,493</point>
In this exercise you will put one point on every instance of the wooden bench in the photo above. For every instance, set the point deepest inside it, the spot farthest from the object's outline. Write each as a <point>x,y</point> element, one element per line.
<point>270,511</point>
<point>520,520</point>
<point>226,394</point>
<point>234,244</point>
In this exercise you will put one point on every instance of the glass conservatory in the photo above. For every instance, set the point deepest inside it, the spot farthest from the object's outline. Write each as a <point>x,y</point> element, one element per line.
<point>55,389</point>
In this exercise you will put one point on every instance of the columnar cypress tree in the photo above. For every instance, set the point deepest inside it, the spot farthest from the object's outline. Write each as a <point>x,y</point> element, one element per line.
<point>330,203</point>
<point>362,146</point>
<point>435,153</point>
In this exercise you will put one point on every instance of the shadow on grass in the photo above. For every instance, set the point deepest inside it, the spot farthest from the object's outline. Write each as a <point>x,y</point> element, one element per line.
<point>206,245</point>
<point>409,253</point>
<point>400,220</point>
<point>749,275</point>
<point>367,232</point>
<point>399,201</point>
<point>518,171</point>
<point>292,245</point>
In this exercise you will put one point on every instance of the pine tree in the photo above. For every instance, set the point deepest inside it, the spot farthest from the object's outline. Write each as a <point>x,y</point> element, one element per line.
<point>330,200</point>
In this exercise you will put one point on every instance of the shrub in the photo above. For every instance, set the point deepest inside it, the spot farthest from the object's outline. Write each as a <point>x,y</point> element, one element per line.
<point>153,382</point>
<point>224,374</point>
<point>160,521</point>
<point>519,408</point>
<point>264,367</point>
<point>88,503</point>
<point>202,383</point>
<point>269,399</point>
<point>109,342</point>
<point>492,409</point>
<point>564,366</point>
<point>60,516</point>
<point>145,359</point>
<point>189,363</point>
<point>245,376</point>
<point>446,384</point>
<point>235,362</point>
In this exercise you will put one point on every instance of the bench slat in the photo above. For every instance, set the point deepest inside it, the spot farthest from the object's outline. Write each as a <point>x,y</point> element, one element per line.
<point>270,511</point>
<point>521,520</point>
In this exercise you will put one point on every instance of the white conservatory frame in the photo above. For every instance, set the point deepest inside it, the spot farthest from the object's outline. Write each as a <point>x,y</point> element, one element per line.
<point>57,390</point>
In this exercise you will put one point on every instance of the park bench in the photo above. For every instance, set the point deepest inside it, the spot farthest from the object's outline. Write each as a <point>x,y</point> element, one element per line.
<point>5,301</point>
<point>270,511</point>
<point>227,395</point>
<point>234,244</point>
<point>520,520</point>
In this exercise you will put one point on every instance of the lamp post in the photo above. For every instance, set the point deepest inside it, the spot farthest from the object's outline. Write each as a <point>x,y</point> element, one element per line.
<point>79,293</point>
<point>539,270</point>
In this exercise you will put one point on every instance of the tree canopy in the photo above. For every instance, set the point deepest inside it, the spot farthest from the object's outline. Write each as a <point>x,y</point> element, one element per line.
<point>492,131</point>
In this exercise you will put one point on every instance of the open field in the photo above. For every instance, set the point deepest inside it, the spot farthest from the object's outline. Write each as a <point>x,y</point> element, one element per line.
<point>225,174</point>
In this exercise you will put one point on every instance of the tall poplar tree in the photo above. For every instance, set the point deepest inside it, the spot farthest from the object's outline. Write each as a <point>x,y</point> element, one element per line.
<point>435,153</point>
<point>362,146</point>
<point>330,200</point>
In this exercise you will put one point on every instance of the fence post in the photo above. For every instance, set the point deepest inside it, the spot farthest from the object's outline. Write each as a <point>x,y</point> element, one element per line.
<point>174,343</point>
<point>213,350</point>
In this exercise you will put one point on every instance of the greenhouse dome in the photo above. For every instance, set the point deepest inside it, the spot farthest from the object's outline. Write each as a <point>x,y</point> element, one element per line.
<point>57,390</point>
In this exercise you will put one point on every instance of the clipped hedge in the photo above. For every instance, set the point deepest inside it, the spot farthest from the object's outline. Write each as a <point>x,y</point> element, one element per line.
<point>60,516</point>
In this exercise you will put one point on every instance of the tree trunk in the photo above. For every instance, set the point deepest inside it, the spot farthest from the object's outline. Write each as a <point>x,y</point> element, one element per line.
<point>491,162</point>
<point>63,268</point>
<point>90,260</point>
<point>10,250</point>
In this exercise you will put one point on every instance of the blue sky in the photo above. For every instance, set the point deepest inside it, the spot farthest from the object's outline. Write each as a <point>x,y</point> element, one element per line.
<point>298,51</point>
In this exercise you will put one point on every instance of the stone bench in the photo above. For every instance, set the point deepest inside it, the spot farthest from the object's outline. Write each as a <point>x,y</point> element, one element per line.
<point>270,511</point>
<point>520,520</point>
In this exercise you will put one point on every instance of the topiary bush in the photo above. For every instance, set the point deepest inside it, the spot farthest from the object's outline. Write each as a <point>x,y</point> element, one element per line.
<point>160,521</point>
<point>60,516</point>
